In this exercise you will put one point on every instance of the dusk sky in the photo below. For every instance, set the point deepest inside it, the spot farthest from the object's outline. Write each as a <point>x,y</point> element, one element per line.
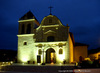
<point>83,17</point>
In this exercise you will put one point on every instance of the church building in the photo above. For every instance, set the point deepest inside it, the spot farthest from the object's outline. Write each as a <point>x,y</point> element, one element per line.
<point>47,42</point>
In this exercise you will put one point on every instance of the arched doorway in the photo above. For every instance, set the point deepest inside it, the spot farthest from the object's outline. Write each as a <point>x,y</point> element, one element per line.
<point>50,56</point>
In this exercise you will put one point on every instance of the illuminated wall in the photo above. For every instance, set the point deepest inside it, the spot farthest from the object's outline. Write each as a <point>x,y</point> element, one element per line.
<point>28,53</point>
<point>80,51</point>
<point>25,52</point>
<point>55,46</point>
<point>71,49</point>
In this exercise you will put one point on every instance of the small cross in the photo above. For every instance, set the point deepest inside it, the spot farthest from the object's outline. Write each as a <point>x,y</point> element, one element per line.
<point>50,9</point>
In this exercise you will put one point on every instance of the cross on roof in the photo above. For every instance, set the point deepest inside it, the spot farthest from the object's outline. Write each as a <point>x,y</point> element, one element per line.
<point>50,9</point>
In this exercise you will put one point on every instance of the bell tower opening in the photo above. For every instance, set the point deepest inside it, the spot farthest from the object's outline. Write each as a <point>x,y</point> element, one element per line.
<point>23,29</point>
<point>28,28</point>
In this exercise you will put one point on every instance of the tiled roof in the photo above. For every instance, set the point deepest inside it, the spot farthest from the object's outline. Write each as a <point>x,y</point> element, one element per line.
<point>80,44</point>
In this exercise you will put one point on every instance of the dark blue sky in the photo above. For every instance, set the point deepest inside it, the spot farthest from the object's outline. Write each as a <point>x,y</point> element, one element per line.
<point>83,17</point>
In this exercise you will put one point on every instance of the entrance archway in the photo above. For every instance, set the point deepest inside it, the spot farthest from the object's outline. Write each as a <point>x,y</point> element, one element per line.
<point>50,56</point>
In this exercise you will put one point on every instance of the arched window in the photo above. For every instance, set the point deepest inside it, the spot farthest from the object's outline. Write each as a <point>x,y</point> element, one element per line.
<point>23,29</point>
<point>60,51</point>
<point>50,38</point>
<point>28,28</point>
<point>39,51</point>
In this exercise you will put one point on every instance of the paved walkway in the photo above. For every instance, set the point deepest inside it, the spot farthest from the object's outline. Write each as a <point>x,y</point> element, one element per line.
<point>18,64</point>
<point>30,68</point>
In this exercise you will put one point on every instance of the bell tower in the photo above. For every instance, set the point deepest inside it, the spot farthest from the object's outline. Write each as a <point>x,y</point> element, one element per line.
<point>26,37</point>
<point>27,23</point>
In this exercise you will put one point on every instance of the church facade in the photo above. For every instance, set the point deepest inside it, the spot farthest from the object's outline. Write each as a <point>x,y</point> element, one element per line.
<point>48,42</point>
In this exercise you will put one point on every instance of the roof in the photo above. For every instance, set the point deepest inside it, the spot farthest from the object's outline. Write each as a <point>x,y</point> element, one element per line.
<point>55,20</point>
<point>28,15</point>
<point>80,44</point>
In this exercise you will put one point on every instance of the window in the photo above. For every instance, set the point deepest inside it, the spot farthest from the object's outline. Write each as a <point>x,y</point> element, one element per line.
<point>25,43</point>
<point>39,51</point>
<point>50,38</point>
<point>60,51</point>
<point>23,29</point>
<point>28,28</point>
<point>50,20</point>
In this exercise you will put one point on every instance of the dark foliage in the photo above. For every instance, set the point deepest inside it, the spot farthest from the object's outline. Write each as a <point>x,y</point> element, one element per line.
<point>90,64</point>
<point>7,55</point>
